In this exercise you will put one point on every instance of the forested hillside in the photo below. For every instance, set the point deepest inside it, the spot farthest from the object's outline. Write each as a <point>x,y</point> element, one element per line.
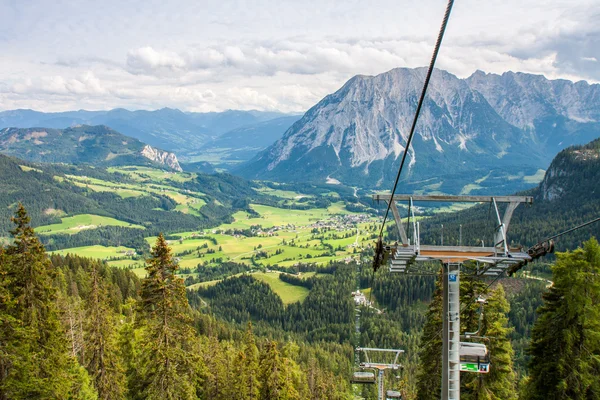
<point>75,328</point>
<point>82,144</point>
<point>50,192</point>
<point>568,196</point>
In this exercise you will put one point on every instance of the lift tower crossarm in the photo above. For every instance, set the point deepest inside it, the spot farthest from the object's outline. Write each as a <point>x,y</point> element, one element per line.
<point>456,199</point>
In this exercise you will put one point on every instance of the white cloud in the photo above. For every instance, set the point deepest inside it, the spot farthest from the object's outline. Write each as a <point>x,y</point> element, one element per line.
<point>146,59</point>
<point>215,55</point>
<point>86,84</point>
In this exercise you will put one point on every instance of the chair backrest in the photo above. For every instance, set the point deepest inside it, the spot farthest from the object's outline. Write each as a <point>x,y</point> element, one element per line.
<point>468,349</point>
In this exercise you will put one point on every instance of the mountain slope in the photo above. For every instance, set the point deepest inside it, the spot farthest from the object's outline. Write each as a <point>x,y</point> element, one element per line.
<point>167,128</point>
<point>568,195</point>
<point>357,134</point>
<point>573,174</point>
<point>151,200</point>
<point>94,145</point>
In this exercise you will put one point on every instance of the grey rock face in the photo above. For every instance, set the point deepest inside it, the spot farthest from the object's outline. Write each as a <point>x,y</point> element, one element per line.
<point>513,122</point>
<point>161,157</point>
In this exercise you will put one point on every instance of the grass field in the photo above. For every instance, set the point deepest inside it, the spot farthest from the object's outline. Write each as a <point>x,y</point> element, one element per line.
<point>187,203</point>
<point>300,236</point>
<point>307,246</point>
<point>284,194</point>
<point>288,293</point>
<point>100,252</point>
<point>77,223</point>
<point>143,174</point>
<point>273,216</point>
<point>124,193</point>
<point>128,263</point>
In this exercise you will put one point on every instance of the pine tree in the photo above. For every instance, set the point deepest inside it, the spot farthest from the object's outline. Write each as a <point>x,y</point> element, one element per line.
<point>295,387</point>
<point>501,380</point>
<point>40,366</point>
<point>251,365</point>
<point>103,363</point>
<point>430,361</point>
<point>239,378</point>
<point>216,381</point>
<point>499,383</point>
<point>565,342</point>
<point>168,340</point>
<point>271,373</point>
<point>129,346</point>
<point>9,327</point>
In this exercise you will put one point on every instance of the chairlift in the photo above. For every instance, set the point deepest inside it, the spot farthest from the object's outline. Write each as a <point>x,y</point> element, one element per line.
<point>393,394</point>
<point>362,377</point>
<point>474,357</point>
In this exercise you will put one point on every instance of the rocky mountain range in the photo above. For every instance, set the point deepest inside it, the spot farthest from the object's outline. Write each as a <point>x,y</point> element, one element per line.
<point>93,145</point>
<point>486,132</point>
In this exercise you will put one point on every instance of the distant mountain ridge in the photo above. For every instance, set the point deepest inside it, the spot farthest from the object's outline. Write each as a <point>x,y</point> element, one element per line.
<point>473,134</point>
<point>93,145</point>
<point>166,128</point>
<point>243,143</point>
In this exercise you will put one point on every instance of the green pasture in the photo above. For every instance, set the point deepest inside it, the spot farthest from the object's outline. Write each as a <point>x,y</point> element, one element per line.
<point>288,293</point>
<point>186,203</point>
<point>101,252</point>
<point>128,263</point>
<point>535,178</point>
<point>77,223</point>
<point>154,174</point>
<point>27,169</point>
<point>284,194</point>
<point>124,193</point>
<point>315,260</point>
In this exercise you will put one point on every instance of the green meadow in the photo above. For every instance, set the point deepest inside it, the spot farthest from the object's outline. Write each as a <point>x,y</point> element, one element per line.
<point>77,223</point>
<point>287,292</point>
<point>286,236</point>
<point>101,252</point>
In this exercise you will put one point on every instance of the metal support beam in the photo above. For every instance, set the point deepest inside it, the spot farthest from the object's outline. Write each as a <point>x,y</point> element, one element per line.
<point>500,236</point>
<point>456,199</point>
<point>399,225</point>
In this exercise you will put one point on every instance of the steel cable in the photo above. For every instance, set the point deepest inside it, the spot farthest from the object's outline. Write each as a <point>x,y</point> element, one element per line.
<point>419,106</point>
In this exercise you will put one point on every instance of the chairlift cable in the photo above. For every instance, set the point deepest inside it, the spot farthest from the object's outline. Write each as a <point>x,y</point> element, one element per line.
<point>419,106</point>
<point>572,229</point>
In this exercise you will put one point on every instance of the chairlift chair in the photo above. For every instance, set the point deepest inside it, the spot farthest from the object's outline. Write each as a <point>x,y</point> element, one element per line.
<point>474,357</point>
<point>393,394</point>
<point>362,377</point>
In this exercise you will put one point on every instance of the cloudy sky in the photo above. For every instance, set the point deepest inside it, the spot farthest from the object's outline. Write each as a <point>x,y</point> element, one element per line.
<point>205,55</point>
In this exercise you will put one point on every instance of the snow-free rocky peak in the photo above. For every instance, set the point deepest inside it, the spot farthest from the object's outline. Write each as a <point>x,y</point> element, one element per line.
<point>161,157</point>
<point>469,129</point>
